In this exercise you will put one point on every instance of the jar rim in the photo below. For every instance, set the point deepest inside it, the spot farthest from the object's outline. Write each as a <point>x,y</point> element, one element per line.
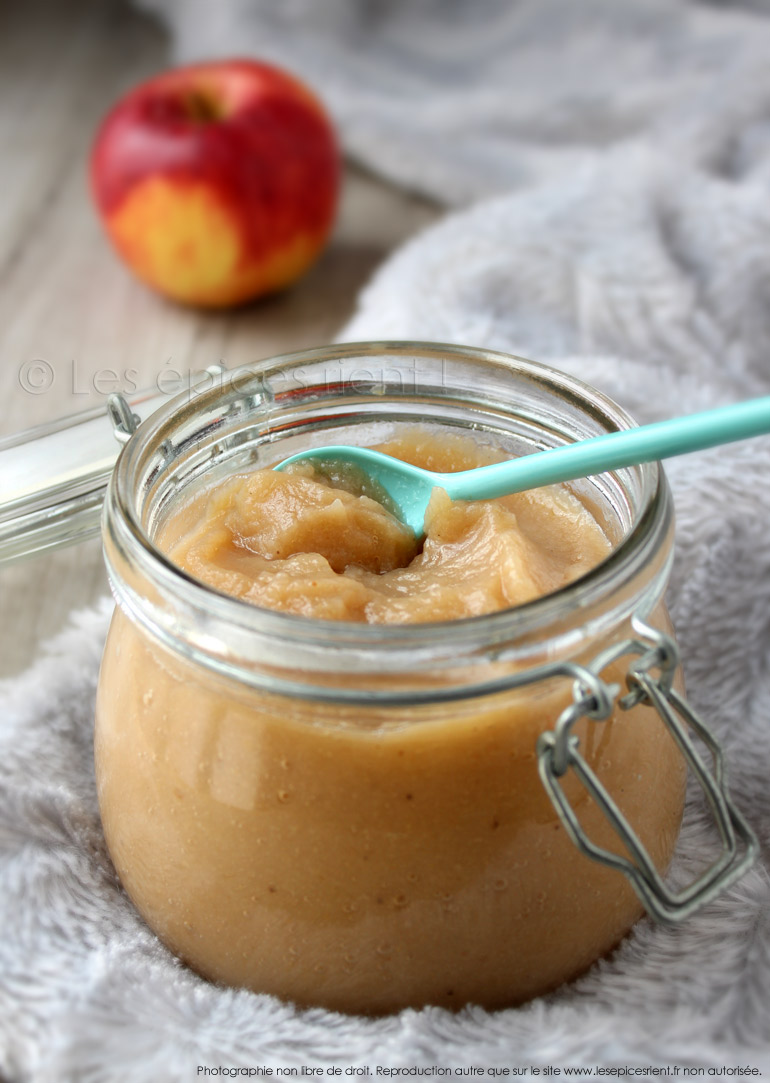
<point>123,518</point>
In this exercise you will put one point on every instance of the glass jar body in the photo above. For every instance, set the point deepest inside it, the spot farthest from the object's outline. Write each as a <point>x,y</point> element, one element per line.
<point>366,864</point>
<point>369,831</point>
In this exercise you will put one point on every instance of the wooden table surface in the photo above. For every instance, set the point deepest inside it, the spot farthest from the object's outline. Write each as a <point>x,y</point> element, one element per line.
<point>74,322</point>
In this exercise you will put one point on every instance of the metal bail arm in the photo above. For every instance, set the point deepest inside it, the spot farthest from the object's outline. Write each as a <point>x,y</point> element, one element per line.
<point>558,751</point>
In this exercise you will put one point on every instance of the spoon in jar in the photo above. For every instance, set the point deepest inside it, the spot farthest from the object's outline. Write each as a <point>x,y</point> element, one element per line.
<point>406,489</point>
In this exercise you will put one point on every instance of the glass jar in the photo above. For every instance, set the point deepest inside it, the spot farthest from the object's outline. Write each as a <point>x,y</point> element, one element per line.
<point>370,817</point>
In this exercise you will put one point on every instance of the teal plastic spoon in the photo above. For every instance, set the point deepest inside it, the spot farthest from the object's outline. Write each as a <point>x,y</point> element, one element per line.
<point>407,489</point>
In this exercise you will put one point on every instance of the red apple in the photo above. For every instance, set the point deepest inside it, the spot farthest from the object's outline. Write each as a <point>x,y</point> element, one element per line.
<point>217,182</point>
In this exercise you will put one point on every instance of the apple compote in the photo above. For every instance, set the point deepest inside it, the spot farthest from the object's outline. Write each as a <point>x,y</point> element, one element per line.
<point>294,542</point>
<point>382,840</point>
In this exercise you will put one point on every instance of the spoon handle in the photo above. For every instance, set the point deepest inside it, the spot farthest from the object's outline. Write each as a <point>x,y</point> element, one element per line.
<point>646,443</point>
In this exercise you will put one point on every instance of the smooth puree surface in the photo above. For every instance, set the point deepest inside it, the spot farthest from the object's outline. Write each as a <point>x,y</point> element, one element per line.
<point>290,541</point>
<point>367,858</point>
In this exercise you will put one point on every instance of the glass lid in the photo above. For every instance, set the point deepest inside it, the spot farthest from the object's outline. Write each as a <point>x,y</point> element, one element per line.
<point>53,476</point>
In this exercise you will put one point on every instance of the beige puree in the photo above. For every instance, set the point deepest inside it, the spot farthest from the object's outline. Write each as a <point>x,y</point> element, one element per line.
<point>357,858</point>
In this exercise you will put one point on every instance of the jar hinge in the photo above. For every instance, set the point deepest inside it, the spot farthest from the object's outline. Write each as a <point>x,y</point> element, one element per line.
<point>124,421</point>
<point>649,679</point>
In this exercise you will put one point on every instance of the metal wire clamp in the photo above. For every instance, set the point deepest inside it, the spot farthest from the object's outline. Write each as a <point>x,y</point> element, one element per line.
<point>649,680</point>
